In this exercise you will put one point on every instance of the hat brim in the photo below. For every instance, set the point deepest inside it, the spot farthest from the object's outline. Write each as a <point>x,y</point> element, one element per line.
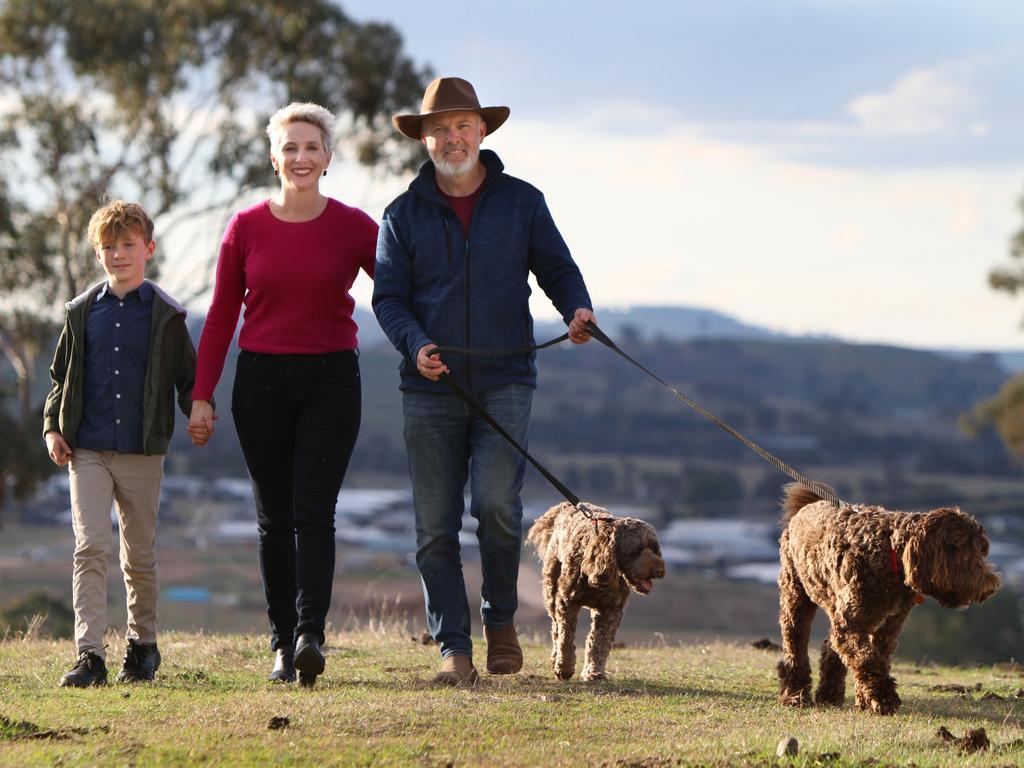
<point>410,125</point>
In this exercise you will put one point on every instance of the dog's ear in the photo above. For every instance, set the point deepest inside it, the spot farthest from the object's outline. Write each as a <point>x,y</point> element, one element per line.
<point>925,565</point>
<point>600,564</point>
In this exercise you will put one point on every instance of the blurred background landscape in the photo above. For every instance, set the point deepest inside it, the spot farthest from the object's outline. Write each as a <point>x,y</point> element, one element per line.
<point>805,216</point>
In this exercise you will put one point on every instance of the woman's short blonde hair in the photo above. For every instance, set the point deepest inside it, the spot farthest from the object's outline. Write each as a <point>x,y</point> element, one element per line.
<point>301,112</point>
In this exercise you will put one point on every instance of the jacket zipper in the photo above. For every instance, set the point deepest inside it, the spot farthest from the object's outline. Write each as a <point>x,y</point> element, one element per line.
<point>469,334</point>
<point>447,238</point>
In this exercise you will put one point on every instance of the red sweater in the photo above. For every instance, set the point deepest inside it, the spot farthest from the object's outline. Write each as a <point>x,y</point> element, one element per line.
<point>294,279</point>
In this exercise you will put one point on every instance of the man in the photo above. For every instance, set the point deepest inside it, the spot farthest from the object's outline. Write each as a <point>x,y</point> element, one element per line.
<point>453,258</point>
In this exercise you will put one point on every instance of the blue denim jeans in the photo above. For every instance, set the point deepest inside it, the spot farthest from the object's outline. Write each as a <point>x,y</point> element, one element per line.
<point>448,444</point>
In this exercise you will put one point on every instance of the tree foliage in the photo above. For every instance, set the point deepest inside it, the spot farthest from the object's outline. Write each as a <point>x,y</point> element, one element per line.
<point>1005,410</point>
<point>163,102</point>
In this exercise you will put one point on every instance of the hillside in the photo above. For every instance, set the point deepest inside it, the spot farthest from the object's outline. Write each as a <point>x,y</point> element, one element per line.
<point>709,704</point>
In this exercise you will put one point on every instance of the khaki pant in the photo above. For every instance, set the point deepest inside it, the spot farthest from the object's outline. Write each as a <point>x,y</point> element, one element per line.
<point>98,479</point>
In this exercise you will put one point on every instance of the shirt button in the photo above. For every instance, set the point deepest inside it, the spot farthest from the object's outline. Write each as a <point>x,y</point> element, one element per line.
<point>117,421</point>
<point>117,349</point>
<point>118,396</point>
<point>120,303</point>
<point>117,373</point>
<point>117,325</point>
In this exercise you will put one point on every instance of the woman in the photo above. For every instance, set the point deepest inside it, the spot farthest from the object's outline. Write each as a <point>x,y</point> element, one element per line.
<point>291,261</point>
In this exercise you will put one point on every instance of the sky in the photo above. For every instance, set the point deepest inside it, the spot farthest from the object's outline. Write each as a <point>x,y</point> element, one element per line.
<point>850,168</point>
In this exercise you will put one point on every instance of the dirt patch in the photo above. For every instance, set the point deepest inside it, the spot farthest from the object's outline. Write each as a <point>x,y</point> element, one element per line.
<point>15,730</point>
<point>974,740</point>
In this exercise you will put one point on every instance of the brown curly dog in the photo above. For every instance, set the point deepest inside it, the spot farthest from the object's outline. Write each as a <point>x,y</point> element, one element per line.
<point>867,567</point>
<point>593,563</point>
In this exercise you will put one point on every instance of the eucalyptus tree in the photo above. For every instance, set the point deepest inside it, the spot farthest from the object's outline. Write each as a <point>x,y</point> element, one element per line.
<point>1005,409</point>
<point>162,102</point>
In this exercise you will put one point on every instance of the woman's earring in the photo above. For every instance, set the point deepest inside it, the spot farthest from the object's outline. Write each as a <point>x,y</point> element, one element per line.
<point>275,172</point>
<point>325,171</point>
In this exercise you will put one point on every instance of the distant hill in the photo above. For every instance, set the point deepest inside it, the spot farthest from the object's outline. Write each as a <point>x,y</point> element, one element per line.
<point>681,324</point>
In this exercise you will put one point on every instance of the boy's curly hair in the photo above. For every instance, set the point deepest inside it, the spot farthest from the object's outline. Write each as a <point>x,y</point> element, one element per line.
<point>118,217</point>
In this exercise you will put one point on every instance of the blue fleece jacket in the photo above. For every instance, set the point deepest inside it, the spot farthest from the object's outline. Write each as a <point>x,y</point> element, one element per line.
<point>433,284</point>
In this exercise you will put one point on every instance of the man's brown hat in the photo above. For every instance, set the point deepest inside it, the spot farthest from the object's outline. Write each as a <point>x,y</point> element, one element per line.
<point>449,94</point>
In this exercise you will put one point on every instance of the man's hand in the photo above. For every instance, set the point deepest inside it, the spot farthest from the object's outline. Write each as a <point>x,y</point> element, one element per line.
<point>200,423</point>
<point>578,333</point>
<point>430,367</point>
<point>58,448</point>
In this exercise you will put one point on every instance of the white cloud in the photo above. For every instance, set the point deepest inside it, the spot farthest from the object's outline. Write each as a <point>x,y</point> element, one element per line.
<point>925,101</point>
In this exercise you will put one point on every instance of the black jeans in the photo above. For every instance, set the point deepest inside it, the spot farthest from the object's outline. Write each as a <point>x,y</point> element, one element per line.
<point>297,418</point>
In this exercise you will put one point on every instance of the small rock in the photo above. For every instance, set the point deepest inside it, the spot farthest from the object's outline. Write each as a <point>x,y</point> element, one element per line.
<point>423,638</point>
<point>550,697</point>
<point>277,723</point>
<point>787,747</point>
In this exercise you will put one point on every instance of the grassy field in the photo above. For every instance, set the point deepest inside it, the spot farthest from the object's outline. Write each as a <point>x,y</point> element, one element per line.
<point>666,705</point>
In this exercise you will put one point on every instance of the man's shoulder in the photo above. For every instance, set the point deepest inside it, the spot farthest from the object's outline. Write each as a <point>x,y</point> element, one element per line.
<point>405,204</point>
<point>517,186</point>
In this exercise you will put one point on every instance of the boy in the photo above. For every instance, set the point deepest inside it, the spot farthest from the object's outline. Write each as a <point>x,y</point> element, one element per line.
<point>123,351</point>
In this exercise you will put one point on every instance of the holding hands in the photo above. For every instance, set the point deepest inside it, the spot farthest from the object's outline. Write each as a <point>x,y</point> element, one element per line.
<point>200,423</point>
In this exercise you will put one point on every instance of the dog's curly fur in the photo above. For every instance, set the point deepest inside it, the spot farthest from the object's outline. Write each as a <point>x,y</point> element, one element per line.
<point>592,563</point>
<point>866,567</point>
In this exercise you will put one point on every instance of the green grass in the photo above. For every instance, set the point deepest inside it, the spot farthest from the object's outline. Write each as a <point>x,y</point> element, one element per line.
<point>666,705</point>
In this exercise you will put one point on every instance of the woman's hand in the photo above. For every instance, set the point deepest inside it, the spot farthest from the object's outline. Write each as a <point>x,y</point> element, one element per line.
<point>200,423</point>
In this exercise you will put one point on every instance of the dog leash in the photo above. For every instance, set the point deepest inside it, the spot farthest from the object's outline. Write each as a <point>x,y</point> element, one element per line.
<point>475,404</point>
<point>601,336</point>
<point>775,461</point>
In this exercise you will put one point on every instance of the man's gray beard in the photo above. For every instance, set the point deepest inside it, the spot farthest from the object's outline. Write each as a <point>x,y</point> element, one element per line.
<point>454,170</point>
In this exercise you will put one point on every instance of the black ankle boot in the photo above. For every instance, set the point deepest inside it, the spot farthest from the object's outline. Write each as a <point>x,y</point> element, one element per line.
<point>309,661</point>
<point>284,665</point>
<point>141,661</point>
<point>89,670</point>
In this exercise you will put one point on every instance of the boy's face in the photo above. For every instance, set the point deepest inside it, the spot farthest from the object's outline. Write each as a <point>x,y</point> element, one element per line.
<point>123,257</point>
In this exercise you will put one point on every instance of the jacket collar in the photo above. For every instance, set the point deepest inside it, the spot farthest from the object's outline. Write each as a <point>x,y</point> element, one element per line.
<point>93,291</point>
<point>425,184</point>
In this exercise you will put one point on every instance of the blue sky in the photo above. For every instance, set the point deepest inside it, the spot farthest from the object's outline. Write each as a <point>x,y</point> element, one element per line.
<point>848,168</point>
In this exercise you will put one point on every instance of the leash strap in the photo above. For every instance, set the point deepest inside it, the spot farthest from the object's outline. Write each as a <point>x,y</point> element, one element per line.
<point>473,403</point>
<point>778,463</point>
<point>499,352</point>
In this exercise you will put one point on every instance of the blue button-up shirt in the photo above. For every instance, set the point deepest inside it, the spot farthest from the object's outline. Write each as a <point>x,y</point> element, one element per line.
<point>116,352</point>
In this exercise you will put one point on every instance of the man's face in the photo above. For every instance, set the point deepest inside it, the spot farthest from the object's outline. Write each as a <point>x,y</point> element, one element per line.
<point>453,141</point>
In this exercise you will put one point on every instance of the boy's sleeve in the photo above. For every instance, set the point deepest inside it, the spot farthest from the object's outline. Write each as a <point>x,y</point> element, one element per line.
<point>58,372</point>
<point>185,367</point>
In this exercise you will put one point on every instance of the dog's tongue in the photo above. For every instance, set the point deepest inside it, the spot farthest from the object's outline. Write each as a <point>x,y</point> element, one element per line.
<point>647,584</point>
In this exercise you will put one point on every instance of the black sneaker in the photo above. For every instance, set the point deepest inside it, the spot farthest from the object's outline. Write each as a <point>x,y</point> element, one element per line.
<point>141,661</point>
<point>90,669</point>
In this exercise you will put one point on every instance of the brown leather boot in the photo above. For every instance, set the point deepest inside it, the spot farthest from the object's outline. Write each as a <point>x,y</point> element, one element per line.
<point>456,669</point>
<point>504,656</point>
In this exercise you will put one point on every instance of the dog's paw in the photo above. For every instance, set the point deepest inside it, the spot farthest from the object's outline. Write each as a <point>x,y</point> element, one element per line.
<point>591,675</point>
<point>801,698</point>
<point>563,671</point>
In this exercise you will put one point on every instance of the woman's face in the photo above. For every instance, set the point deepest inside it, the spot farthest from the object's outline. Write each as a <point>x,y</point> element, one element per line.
<point>300,157</point>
